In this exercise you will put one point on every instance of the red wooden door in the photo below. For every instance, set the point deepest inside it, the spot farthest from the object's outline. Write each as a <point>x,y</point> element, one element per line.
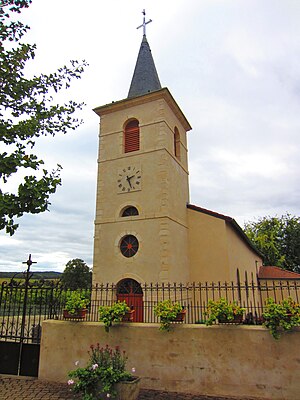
<point>130,291</point>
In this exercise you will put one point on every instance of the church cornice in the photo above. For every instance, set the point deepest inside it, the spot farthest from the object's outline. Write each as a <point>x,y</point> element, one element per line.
<point>157,216</point>
<point>163,93</point>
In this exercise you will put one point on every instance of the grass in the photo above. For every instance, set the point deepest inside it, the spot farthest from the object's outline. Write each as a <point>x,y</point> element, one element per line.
<point>8,280</point>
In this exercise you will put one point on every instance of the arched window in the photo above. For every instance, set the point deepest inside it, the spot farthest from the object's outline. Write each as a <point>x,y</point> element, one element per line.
<point>129,211</point>
<point>132,136</point>
<point>176,143</point>
<point>129,286</point>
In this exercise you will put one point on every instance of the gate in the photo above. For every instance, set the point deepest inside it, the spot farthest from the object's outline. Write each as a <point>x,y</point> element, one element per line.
<point>131,291</point>
<point>23,306</point>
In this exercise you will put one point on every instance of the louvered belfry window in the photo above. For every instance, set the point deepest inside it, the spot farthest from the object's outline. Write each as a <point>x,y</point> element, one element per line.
<point>132,136</point>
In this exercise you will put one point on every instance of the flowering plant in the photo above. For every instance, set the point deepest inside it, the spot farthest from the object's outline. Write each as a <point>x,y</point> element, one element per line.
<point>167,311</point>
<point>114,313</point>
<point>285,315</point>
<point>223,311</point>
<point>105,368</point>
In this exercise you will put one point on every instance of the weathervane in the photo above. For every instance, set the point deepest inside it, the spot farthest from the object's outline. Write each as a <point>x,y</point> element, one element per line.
<point>144,23</point>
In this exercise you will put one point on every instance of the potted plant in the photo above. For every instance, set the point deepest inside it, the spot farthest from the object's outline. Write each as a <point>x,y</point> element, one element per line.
<point>169,312</point>
<point>105,376</point>
<point>284,315</point>
<point>113,313</point>
<point>75,305</point>
<point>224,312</point>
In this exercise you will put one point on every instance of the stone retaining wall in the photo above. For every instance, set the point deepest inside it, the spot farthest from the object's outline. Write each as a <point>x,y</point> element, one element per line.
<point>224,360</point>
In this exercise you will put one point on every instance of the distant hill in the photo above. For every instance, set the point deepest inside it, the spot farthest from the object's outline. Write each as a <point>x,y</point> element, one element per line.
<point>36,275</point>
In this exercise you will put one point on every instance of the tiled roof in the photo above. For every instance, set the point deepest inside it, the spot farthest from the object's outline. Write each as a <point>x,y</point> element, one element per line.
<point>145,78</point>
<point>232,222</point>
<point>269,272</point>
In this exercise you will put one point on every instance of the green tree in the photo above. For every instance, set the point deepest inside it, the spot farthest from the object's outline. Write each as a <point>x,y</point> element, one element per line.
<point>278,238</point>
<point>77,275</point>
<point>27,112</point>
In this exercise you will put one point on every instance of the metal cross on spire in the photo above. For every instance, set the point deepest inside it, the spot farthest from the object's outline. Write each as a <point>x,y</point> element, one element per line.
<point>144,23</point>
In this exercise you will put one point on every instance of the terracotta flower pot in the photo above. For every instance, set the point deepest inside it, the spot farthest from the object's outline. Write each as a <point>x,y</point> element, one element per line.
<point>128,317</point>
<point>180,316</point>
<point>79,315</point>
<point>237,319</point>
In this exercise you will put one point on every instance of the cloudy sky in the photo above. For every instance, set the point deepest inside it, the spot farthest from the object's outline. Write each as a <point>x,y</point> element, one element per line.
<point>233,66</point>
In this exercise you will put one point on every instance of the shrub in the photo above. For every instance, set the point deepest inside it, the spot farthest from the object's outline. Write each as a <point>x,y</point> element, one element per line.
<point>167,311</point>
<point>223,310</point>
<point>75,301</point>
<point>283,315</point>
<point>114,313</point>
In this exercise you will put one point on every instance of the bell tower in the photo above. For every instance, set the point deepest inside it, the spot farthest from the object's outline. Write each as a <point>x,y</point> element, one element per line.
<point>141,228</point>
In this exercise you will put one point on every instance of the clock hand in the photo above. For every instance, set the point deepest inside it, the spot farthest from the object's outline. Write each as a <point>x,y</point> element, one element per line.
<point>128,180</point>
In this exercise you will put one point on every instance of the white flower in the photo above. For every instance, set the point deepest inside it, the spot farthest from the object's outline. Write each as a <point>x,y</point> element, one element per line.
<point>133,370</point>
<point>108,395</point>
<point>70,382</point>
<point>94,366</point>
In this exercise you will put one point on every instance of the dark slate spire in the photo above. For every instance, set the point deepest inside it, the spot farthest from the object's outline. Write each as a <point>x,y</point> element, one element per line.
<point>145,78</point>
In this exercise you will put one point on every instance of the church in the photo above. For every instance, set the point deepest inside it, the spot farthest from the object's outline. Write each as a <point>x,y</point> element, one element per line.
<point>146,229</point>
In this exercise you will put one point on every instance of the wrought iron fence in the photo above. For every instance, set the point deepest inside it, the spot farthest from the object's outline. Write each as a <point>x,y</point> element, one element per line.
<point>22,316</point>
<point>23,306</point>
<point>194,298</point>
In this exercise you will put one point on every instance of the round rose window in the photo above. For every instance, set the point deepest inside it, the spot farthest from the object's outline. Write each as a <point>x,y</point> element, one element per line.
<point>129,245</point>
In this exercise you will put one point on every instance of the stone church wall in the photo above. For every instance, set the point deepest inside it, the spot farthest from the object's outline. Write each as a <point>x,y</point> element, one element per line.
<point>216,251</point>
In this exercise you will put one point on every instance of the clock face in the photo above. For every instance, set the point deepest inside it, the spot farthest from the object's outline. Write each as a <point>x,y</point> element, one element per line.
<point>129,179</point>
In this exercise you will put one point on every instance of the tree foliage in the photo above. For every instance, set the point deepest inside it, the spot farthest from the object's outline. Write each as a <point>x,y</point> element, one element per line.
<point>77,275</point>
<point>278,238</point>
<point>27,112</point>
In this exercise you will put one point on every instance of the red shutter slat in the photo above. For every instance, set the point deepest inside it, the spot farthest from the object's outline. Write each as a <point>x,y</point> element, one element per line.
<point>132,137</point>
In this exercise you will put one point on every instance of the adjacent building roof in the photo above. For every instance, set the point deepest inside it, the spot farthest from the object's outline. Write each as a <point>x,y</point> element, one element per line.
<point>269,272</point>
<point>145,78</point>
<point>232,223</point>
